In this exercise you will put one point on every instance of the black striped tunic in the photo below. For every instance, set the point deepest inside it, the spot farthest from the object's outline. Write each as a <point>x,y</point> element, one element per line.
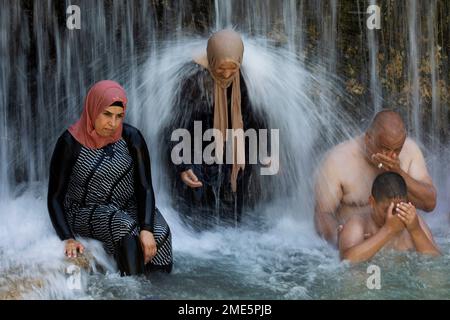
<point>100,202</point>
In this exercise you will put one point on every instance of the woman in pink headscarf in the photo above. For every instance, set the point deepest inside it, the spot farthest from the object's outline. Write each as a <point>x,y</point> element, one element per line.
<point>100,186</point>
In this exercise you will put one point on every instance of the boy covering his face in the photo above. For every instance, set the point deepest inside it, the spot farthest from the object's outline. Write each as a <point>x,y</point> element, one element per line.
<point>393,222</point>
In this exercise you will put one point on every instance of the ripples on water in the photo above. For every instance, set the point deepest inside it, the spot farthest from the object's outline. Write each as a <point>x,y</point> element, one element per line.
<point>283,261</point>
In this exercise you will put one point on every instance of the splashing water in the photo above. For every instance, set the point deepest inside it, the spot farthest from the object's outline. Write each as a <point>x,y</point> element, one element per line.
<point>275,254</point>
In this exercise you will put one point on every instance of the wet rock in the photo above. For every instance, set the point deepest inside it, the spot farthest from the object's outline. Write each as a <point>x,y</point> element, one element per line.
<point>83,261</point>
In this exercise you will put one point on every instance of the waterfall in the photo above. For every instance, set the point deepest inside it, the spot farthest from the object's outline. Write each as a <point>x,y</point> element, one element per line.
<point>300,57</point>
<point>45,66</point>
<point>4,87</point>
<point>373,58</point>
<point>435,102</point>
<point>414,76</point>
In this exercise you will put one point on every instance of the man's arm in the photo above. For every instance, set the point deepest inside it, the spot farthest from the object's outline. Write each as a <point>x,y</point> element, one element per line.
<point>421,190</point>
<point>61,165</point>
<point>328,195</point>
<point>422,194</point>
<point>420,234</point>
<point>354,248</point>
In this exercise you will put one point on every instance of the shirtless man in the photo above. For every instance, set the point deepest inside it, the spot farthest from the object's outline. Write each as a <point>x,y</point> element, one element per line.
<point>344,180</point>
<point>393,223</point>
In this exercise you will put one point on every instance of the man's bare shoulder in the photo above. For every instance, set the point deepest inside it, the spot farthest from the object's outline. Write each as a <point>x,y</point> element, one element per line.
<point>410,149</point>
<point>357,220</point>
<point>343,152</point>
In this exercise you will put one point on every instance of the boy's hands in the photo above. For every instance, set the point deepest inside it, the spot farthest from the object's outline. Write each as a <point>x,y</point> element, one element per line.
<point>393,223</point>
<point>408,215</point>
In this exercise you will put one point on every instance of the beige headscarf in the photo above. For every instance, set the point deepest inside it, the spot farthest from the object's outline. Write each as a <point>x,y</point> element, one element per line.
<point>227,46</point>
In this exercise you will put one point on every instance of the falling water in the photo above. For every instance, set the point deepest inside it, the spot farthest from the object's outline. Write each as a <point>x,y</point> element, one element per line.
<point>292,66</point>
<point>223,14</point>
<point>373,56</point>
<point>414,67</point>
<point>290,25</point>
<point>4,74</point>
<point>435,103</point>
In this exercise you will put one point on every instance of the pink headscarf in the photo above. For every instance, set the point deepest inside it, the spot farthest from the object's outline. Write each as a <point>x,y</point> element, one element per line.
<point>100,96</point>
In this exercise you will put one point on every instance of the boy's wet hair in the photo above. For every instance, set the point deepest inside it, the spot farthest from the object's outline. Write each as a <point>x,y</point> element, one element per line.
<point>389,185</point>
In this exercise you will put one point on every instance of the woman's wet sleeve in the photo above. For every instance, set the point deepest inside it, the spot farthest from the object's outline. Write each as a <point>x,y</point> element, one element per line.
<point>183,117</point>
<point>60,170</point>
<point>145,195</point>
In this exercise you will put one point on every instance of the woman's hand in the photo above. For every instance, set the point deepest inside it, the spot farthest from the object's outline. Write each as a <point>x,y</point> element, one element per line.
<point>148,244</point>
<point>71,247</point>
<point>190,179</point>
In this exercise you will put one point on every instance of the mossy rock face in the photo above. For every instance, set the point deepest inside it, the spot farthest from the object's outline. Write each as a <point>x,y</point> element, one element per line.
<point>394,60</point>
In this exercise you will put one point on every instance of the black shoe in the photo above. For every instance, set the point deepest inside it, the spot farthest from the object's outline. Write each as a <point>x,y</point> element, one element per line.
<point>129,257</point>
<point>149,268</point>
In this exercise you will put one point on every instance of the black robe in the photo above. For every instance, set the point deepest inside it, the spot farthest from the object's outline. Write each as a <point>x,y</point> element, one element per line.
<point>214,203</point>
<point>106,194</point>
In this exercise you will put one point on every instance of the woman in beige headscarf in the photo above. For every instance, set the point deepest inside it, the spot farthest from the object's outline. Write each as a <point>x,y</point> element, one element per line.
<point>213,92</point>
